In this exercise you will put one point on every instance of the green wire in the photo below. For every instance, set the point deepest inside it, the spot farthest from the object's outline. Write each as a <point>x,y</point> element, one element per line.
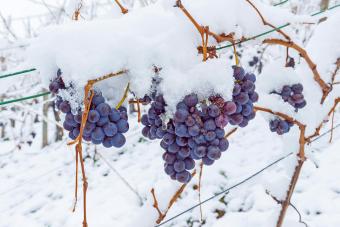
<point>272,30</point>
<point>24,98</point>
<point>218,48</point>
<point>17,73</point>
<point>281,3</point>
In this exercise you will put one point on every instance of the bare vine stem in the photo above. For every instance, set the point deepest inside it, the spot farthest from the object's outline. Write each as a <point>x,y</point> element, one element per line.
<point>89,93</point>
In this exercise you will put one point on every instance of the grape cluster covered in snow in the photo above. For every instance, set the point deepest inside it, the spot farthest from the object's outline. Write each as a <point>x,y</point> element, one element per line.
<point>196,131</point>
<point>104,125</point>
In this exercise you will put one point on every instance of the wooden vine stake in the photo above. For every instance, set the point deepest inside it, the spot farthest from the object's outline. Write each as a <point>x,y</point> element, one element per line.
<point>122,9</point>
<point>89,93</point>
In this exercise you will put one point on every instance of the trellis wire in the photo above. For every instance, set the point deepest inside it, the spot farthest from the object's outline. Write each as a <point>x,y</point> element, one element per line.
<point>280,3</point>
<point>24,98</point>
<point>218,48</point>
<point>226,191</point>
<point>272,30</point>
<point>17,73</point>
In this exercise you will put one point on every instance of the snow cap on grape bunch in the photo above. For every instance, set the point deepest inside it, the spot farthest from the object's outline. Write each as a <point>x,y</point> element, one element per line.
<point>196,130</point>
<point>104,125</point>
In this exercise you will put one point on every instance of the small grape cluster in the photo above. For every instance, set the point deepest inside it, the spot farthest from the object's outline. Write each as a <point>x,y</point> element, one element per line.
<point>280,126</point>
<point>241,109</point>
<point>293,95</point>
<point>254,61</point>
<point>104,125</point>
<point>153,124</point>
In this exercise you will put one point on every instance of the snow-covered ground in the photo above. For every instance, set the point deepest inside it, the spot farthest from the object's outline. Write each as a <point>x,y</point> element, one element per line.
<point>37,185</point>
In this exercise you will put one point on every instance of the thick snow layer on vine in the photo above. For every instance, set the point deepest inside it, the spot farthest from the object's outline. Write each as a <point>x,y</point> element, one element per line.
<point>158,35</point>
<point>324,46</point>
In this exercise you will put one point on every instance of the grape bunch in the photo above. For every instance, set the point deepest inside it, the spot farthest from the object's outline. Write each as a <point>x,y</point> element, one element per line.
<point>280,126</point>
<point>57,83</point>
<point>293,95</point>
<point>153,124</point>
<point>240,110</point>
<point>104,125</point>
<point>195,133</point>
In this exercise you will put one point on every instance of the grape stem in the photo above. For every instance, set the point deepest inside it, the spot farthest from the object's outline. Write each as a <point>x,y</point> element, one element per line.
<point>265,22</point>
<point>88,96</point>
<point>199,190</point>
<point>162,215</point>
<point>76,14</point>
<point>317,130</point>
<point>336,72</point>
<point>230,133</point>
<point>124,96</point>
<point>326,89</point>
<point>205,33</point>
<point>301,160</point>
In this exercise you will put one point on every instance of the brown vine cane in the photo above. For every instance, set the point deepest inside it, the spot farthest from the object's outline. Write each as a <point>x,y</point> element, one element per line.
<point>89,93</point>
<point>303,53</point>
<point>326,89</point>
<point>301,155</point>
<point>162,215</point>
<point>205,33</point>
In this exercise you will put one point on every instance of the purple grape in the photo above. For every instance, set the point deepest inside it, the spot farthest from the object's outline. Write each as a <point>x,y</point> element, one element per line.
<point>93,116</point>
<point>107,142</point>
<point>210,136</point>
<point>173,148</point>
<point>98,99</point>
<point>102,121</point>
<point>118,140</point>
<point>194,130</point>
<point>238,72</point>
<point>181,130</point>
<point>213,111</point>
<point>207,161</point>
<point>179,166</point>
<point>169,169</point>
<point>184,152</point>
<point>200,151</point>
<point>183,177</point>
<point>123,126</point>
<point>191,100</point>
<point>230,108</point>
<point>189,163</point>
<point>68,126</point>
<point>98,134</point>
<point>169,158</point>
<point>297,88</point>
<point>110,129</point>
<point>103,109</point>
<point>242,98</point>
<point>210,125</point>
<point>65,107</point>
<point>181,141</point>
<point>181,115</point>
<point>114,115</point>
<point>214,153</point>
<point>224,144</point>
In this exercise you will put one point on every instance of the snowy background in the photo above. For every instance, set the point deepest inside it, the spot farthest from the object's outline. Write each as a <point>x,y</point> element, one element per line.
<point>37,168</point>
